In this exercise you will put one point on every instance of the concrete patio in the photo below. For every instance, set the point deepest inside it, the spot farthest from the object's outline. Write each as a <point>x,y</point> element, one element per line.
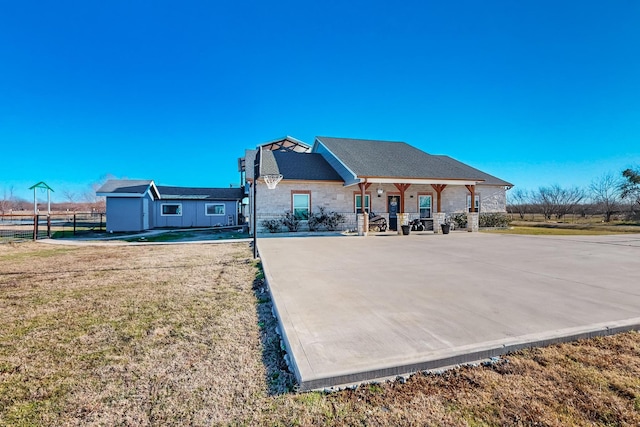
<point>354,309</point>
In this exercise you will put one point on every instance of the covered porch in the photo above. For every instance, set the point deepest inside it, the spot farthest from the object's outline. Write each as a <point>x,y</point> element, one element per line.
<point>402,201</point>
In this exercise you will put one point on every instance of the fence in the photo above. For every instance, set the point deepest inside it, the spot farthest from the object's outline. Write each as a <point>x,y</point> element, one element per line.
<point>16,227</point>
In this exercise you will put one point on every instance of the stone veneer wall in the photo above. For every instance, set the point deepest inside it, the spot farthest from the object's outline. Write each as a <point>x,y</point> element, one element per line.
<point>334,197</point>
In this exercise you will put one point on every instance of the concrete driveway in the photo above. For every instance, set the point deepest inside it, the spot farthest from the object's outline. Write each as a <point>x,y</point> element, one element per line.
<point>354,309</point>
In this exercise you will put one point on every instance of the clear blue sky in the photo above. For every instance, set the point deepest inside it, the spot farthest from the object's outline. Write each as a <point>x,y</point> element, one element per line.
<point>534,92</point>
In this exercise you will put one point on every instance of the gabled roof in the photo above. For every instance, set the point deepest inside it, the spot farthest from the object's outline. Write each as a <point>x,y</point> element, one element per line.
<point>399,160</point>
<point>185,193</point>
<point>297,166</point>
<point>286,143</point>
<point>128,188</point>
<point>488,179</point>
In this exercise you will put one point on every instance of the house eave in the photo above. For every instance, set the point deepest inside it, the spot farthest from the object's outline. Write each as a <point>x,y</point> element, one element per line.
<point>426,181</point>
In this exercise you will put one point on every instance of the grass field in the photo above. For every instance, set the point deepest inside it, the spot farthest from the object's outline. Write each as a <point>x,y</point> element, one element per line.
<point>182,335</point>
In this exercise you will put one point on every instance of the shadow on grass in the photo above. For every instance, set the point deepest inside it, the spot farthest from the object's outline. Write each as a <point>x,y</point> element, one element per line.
<point>278,376</point>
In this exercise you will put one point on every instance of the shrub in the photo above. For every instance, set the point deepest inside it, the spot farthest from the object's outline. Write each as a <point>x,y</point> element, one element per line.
<point>273,225</point>
<point>460,219</point>
<point>334,220</point>
<point>331,221</point>
<point>493,220</point>
<point>290,221</point>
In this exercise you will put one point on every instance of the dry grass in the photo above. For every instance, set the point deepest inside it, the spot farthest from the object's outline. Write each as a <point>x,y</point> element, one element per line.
<point>182,335</point>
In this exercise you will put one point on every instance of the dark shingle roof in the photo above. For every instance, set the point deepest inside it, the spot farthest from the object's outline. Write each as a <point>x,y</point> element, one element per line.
<point>125,186</point>
<point>175,193</point>
<point>299,166</point>
<point>488,179</point>
<point>391,159</point>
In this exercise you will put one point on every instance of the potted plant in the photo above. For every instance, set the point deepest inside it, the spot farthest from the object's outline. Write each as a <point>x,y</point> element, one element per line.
<point>446,226</point>
<point>406,229</point>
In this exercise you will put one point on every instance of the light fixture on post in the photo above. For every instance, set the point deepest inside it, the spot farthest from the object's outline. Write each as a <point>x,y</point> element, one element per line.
<point>271,180</point>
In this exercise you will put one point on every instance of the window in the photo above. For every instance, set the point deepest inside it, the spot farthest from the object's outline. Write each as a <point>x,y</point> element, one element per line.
<point>301,205</point>
<point>476,204</point>
<point>358,203</point>
<point>214,209</point>
<point>173,209</point>
<point>424,203</point>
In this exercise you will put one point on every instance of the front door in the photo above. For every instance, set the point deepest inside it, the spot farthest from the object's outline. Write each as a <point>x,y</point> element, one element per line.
<point>393,207</point>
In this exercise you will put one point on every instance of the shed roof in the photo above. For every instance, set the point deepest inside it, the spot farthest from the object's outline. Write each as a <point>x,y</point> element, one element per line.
<point>125,186</point>
<point>195,193</point>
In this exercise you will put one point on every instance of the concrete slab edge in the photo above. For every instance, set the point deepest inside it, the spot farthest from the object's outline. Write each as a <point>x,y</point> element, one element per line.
<point>472,355</point>
<point>293,362</point>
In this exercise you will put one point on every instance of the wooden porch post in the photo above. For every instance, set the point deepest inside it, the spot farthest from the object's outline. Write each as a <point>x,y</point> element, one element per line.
<point>439,188</point>
<point>363,195</point>
<point>472,190</point>
<point>402,188</point>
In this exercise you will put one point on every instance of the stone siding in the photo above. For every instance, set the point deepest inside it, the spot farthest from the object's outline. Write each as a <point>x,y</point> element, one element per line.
<point>334,197</point>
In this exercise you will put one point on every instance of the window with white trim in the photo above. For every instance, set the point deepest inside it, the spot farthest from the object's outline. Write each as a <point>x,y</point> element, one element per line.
<point>301,205</point>
<point>358,203</point>
<point>211,209</point>
<point>477,203</point>
<point>424,203</point>
<point>171,209</point>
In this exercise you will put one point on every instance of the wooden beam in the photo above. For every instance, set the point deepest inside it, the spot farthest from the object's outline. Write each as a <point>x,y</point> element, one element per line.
<point>402,188</point>
<point>472,190</point>
<point>439,188</point>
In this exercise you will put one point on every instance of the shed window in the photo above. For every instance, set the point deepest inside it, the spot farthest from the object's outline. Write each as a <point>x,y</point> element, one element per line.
<point>301,205</point>
<point>214,209</point>
<point>173,209</point>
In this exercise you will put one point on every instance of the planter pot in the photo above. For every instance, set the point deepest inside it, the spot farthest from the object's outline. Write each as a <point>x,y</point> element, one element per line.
<point>406,229</point>
<point>445,228</point>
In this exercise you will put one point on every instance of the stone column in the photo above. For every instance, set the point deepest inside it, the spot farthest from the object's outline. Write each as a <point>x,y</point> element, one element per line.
<point>473,222</point>
<point>401,221</point>
<point>438,219</point>
<point>361,225</point>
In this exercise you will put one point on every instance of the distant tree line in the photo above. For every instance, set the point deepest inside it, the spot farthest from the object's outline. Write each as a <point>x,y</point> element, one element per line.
<point>611,195</point>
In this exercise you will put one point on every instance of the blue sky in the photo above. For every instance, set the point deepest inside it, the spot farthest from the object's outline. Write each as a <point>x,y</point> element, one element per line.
<point>534,92</point>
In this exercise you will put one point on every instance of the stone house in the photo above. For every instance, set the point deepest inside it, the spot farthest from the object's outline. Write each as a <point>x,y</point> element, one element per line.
<point>394,179</point>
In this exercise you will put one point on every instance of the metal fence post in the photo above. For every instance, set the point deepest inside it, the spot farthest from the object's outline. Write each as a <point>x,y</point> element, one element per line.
<point>74,223</point>
<point>49,226</point>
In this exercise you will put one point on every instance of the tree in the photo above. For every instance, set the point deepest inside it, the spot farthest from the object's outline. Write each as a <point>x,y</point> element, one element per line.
<point>8,201</point>
<point>557,201</point>
<point>519,201</point>
<point>630,187</point>
<point>605,192</point>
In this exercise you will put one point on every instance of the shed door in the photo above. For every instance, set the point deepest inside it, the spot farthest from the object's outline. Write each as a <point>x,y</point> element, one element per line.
<point>145,214</point>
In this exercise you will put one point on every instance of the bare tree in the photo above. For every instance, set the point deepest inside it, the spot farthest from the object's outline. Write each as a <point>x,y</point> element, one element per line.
<point>97,202</point>
<point>605,192</point>
<point>519,201</point>
<point>8,200</point>
<point>557,201</point>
